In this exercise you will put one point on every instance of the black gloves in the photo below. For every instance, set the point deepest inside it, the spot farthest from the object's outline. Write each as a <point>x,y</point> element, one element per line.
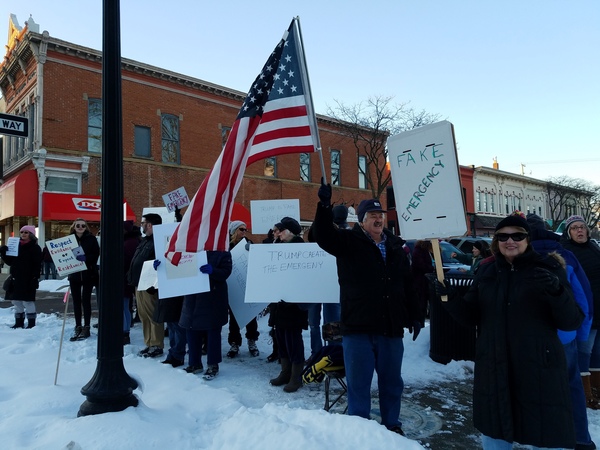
<point>325,193</point>
<point>547,280</point>
<point>3,249</point>
<point>415,329</point>
<point>151,290</point>
<point>443,289</point>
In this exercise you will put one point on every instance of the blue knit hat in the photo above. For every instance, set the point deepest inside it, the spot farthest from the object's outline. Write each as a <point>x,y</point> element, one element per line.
<point>572,220</point>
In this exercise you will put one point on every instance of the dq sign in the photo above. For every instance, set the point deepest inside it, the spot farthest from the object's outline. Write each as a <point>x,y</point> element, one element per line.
<point>87,204</point>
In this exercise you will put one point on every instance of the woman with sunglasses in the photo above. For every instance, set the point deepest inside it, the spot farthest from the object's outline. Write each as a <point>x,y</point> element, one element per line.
<point>82,283</point>
<point>25,270</point>
<point>518,300</point>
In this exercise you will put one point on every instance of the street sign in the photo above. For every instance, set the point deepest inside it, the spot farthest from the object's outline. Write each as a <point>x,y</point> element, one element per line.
<point>14,125</point>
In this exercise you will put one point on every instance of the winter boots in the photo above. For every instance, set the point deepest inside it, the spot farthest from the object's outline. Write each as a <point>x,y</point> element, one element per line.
<point>19,321</point>
<point>80,333</point>
<point>31,320</point>
<point>233,351</point>
<point>295,378</point>
<point>285,374</point>
<point>253,348</point>
<point>590,400</point>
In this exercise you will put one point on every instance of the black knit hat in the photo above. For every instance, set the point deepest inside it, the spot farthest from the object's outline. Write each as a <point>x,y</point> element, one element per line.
<point>536,222</point>
<point>516,219</point>
<point>289,223</point>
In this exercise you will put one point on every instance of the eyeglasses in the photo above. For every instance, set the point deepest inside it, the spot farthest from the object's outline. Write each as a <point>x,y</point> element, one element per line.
<point>578,227</point>
<point>80,226</point>
<point>516,237</point>
<point>243,229</point>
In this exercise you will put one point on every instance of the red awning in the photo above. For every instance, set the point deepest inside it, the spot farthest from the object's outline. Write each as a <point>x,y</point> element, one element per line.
<point>18,195</point>
<point>66,207</point>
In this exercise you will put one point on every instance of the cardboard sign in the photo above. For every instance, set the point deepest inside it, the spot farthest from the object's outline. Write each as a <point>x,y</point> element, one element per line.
<point>236,286</point>
<point>183,279</point>
<point>177,198</point>
<point>266,213</point>
<point>13,246</point>
<point>295,273</point>
<point>148,276</point>
<point>61,251</point>
<point>426,180</point>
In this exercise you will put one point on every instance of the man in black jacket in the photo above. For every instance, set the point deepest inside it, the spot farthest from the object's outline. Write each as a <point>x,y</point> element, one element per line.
<point>154,333</point>
<point>377,302</point>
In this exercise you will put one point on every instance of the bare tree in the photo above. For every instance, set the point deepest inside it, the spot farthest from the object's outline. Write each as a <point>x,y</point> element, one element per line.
<point>369,124</point>
<point>568,196</point>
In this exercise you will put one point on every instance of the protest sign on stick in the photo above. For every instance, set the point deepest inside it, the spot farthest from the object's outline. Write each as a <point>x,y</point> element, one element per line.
<point>426,181</point>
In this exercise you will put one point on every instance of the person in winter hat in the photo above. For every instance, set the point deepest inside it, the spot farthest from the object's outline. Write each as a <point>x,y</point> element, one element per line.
<point>288,320</point>
<point>576,238</point>
<point>340,215</point>
<point>378,301</point>
<point>519,301</point>
<point>25,271</point>
<point>237,233</point>
<point>547,242</point>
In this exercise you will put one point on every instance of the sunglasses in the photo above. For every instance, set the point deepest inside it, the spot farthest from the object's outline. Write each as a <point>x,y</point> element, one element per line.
<point>516,237</point>
<point>80,226</point>
<point>243,229</point>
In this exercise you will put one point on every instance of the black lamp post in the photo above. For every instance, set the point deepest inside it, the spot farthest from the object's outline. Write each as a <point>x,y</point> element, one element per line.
<point>111,388</point>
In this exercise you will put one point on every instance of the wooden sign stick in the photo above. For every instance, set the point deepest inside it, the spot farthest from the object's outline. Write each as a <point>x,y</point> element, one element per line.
<point>437,257</point>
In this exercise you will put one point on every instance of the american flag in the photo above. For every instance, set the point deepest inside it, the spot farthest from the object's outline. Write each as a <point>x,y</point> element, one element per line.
<point>274,120</point>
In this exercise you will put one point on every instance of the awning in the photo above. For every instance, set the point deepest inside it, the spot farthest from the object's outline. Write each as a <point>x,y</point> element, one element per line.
<point>486,221</point>
<point>18,195</point>
<point>67,207</point>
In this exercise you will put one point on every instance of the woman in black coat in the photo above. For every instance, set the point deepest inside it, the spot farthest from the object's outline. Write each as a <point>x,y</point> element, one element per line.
<point>518,301</point>
<point>82,283</point>
<point>204,314</point>
<point>289,319</point>
<point>25,270</point>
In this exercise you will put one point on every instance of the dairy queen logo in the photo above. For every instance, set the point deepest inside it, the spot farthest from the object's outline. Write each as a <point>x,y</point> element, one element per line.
<point>87,204</point>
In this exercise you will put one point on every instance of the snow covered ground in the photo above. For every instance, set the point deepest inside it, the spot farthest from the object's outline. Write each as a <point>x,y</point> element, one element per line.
<point>236,410</point>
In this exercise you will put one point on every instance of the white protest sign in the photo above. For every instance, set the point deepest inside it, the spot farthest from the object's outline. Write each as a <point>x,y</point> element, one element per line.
<point>148,276</point>
<point>236,286</point>
<point>177,198</point>
<point>426,180</point>
<point>13,246</point>
<point>266,213</point>
<point>61,250</point>
<point>296,273</point>
<point>183,279</point>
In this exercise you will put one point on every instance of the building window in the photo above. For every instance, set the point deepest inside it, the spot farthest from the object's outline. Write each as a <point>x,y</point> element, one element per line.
<point>335,167</point>
<point>170,138</point>
<point>270,167</point>
<point>141,137</point>
<point>304,166</point>
<point>95,125</point>
<point>478,202</point>
<point>225,132</point>
<point>362,172</point>
<point>62,184</point>
<point>492,201</point>
<point>485,202</point>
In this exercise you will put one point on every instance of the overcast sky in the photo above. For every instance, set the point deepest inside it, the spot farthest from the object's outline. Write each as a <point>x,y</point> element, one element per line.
<point>519,80</point>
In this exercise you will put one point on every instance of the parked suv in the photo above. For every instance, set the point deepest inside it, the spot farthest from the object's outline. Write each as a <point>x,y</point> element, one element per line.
<point>465,243</point>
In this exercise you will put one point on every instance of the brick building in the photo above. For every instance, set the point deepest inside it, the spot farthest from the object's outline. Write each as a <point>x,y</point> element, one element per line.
<point>174,127</point>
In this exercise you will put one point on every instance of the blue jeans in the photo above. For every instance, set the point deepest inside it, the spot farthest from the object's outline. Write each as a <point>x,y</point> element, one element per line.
<point>314,324</point>
<point>177,341</point>
<point>49,269</point>
<point>489,443</point>
<point>582,435</point>
<point>364,353</point>
<point>589,352</point>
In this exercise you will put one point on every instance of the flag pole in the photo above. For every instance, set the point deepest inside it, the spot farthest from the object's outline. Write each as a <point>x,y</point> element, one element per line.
<point>308,93</point>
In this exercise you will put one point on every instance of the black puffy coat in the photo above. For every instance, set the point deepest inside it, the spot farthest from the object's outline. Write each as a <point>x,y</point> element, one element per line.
<point>209,310</point>
<point>25,269</point>
<point>89,245</point>
<point>288,315</point>
<point>521,390</point>
<point>376,296</point>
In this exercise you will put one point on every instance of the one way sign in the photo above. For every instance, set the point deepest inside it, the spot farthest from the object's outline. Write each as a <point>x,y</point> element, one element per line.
<point>13,125</point>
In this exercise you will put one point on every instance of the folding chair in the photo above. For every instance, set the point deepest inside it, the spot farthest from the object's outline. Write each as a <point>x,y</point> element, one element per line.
<point>331,333</point>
